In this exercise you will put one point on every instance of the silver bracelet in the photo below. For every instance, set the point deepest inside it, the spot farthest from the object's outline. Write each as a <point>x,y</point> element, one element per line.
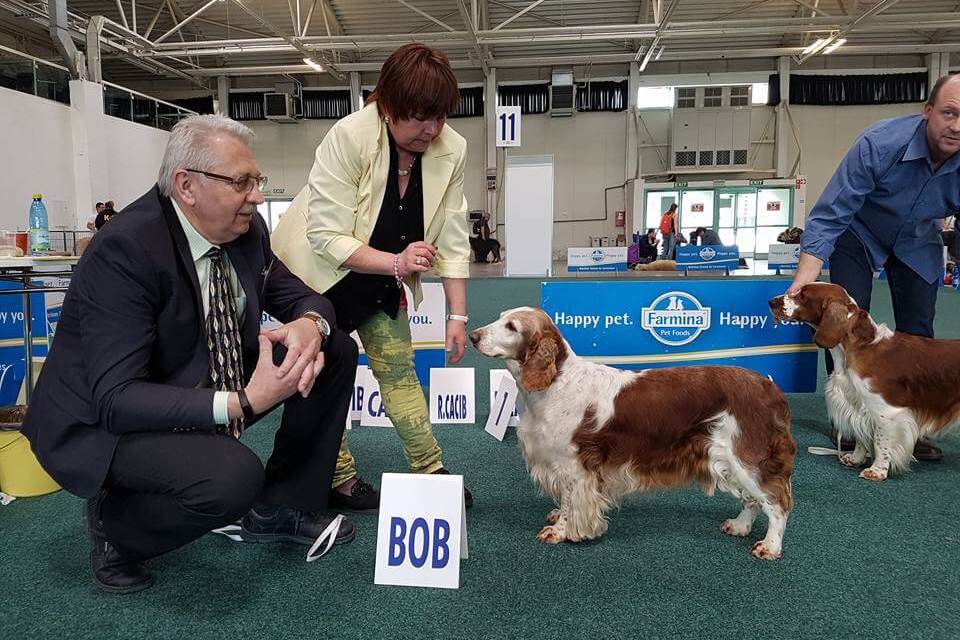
<point>453,316</point>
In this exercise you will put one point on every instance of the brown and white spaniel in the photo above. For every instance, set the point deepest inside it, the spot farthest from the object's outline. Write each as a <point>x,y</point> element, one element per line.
<point>591,434</point>
<point>887,388</point>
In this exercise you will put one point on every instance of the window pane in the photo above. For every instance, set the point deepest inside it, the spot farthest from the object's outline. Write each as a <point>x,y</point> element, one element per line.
<point>53,83</point>
<point>767,236</point>
<point>760,93</point>
<point>117,103</point>
<point>773,207</point>
<point>654,97</point>
<point>746,239</point>
<point>657,203</point>
<point>16,73</point>
<point>277,209</point>
<point>697,209</point>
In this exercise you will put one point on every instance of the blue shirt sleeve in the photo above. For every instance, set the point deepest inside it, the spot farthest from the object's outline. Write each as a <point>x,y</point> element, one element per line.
<point>840,201</point>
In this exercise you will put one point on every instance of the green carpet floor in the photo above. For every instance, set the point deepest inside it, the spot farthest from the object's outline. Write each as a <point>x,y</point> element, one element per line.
<point>860,559</point>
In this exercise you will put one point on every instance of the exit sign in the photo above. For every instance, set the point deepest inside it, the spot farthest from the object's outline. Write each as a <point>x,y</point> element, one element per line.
<point>756,183</point>
<point>681,185</point>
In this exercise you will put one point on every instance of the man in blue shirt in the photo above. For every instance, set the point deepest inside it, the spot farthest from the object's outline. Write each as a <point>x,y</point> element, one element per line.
<point>882,209</point>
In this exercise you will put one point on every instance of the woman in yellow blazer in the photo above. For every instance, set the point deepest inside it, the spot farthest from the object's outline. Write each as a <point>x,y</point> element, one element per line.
<point>383,203</point>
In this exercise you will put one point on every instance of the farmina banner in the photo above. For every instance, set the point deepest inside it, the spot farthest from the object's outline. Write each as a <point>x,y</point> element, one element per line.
<point>647,324</point>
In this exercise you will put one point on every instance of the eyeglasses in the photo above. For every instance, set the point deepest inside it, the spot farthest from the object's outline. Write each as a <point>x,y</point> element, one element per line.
<point>243,184</point>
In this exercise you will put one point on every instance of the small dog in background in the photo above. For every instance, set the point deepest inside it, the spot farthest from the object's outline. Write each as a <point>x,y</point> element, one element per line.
<point>887,388</point>
<point>656,265</point>
<point>591,434</point>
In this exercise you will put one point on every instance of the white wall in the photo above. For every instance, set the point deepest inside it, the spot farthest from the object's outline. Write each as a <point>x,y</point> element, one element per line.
<point>285,153</point>
<point>826,134</point>
<point>134,152</point>
<point>37,158</point>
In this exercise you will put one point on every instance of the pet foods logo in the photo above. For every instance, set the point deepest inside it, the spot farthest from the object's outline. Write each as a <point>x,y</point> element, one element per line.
<point>707,254</point>
<point>675,318</point>
<point>597,255</point>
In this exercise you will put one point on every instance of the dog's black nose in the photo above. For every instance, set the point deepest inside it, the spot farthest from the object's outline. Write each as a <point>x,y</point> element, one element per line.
<point>475,337</point>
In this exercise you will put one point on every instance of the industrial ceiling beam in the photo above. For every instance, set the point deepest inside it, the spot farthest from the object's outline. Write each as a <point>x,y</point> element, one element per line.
<point>472,28</point>
<point>518,14</point>
<point>177,27</point>
<point>294,42</point>
<point>426,15</point>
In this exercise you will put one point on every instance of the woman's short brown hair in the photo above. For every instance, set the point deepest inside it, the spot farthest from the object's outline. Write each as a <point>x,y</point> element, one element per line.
<point>416,81</point>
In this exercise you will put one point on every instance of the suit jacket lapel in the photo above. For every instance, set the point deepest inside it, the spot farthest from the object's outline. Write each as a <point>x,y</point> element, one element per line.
<point>182,250</point>
<point>437,167</point>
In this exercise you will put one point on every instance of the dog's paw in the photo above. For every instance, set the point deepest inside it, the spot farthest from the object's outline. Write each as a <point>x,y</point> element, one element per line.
<point>550,535</point>
<point>734,527</point>
<point>553,516</point>
<point>874,474</point>
<point>852,460</point>
<point>760,550</point>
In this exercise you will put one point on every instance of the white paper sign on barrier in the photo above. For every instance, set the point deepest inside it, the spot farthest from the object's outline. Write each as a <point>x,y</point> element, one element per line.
<point>496,375</point>
<point>501,410</point>
<point>373,413</point>
<point>422,530</point>
<point>452,396</point>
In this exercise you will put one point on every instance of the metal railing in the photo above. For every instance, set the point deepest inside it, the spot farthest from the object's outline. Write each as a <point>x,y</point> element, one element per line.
<point>25,73</point>
<point>28,74</point>
<point>128,104</point>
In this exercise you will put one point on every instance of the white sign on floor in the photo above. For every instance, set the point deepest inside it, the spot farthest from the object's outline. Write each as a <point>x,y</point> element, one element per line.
<point>496,375</point>
<point>502,408</point>
<point>422,530</point>
<point>452,396</point>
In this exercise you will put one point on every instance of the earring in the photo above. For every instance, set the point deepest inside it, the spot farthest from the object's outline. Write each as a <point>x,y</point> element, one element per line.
<point>386,119</point>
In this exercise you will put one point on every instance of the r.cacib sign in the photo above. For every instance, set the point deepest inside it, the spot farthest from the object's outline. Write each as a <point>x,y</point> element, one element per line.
<point>646,324</point>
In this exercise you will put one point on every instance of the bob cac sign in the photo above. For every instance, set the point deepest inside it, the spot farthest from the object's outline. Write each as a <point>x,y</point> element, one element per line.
<point>646,324</point>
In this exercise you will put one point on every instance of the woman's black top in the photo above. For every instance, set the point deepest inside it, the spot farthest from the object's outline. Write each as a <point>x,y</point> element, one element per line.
<point>359,296</point>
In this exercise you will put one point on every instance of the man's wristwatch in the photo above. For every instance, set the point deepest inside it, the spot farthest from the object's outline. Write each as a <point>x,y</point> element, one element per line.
<point>322,326</point>
<point>245,406</point>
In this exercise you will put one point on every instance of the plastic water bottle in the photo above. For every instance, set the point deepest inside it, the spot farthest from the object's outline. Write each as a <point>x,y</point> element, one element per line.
<point>956,276</point>
<point>39,228</point>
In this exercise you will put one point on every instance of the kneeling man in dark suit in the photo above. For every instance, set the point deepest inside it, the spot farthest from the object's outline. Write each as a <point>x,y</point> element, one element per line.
<point>159,364</point>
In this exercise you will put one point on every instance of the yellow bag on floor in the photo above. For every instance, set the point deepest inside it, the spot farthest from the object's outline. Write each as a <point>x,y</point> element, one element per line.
<point>21,475</point>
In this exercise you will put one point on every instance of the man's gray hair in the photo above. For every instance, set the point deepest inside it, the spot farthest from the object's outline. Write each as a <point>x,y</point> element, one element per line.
<point>189,146</point>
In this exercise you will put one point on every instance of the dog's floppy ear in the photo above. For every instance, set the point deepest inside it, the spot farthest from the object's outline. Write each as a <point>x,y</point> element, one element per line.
<point>833,326</point>
<point>540,362</point>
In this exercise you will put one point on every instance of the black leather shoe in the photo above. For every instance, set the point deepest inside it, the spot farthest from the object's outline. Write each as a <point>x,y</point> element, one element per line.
<point>467,496</point>
<point>363,498</point>
<point>111,571</point>
<point>287,524</point>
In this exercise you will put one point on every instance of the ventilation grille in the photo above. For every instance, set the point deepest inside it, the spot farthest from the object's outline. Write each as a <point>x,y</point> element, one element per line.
<point>685,158</point>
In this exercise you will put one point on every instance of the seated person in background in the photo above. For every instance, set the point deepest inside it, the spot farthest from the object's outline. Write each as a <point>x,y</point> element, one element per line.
<point>704,236</point>
<point>481,242</point>
<point>160,364</point>
<point>647,249</point>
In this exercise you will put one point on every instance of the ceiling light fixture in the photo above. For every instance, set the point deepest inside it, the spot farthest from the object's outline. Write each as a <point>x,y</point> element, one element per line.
<point>815,46</point>
<point>833,47</point>
<point>313,63</point>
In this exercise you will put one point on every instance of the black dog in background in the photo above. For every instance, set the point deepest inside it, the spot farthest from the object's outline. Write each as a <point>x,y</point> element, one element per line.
<point>482,244</point>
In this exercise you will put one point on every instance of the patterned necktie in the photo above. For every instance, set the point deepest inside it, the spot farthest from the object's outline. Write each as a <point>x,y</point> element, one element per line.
<point>223,337</point>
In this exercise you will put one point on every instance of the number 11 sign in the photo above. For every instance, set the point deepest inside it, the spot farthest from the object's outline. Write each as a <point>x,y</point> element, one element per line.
<point>508,126</point>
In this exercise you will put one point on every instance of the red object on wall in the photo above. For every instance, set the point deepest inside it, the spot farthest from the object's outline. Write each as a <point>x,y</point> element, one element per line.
<point>620,219</point>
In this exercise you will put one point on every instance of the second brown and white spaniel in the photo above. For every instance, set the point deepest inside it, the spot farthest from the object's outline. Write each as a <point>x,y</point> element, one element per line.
<point>887,388</point>
<point>591,434</point>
